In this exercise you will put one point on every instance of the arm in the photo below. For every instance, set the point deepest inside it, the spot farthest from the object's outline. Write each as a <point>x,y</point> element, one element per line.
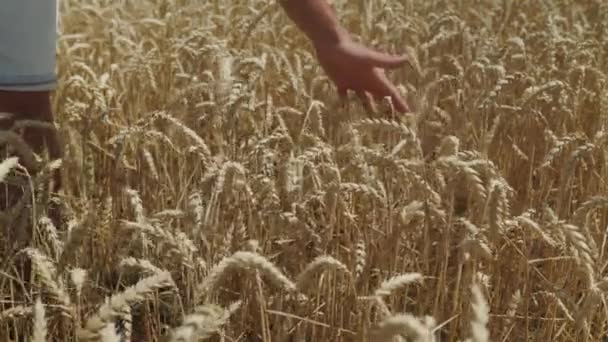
<point>348,64</point>
<point>315,18</point>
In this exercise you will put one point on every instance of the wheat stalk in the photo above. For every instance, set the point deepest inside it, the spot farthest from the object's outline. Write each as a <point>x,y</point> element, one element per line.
<point>40,330</point>
<point>116,305</point>
<point>246,261</point>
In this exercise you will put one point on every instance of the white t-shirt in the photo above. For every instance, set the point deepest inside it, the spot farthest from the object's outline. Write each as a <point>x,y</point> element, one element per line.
<point>28,33</point>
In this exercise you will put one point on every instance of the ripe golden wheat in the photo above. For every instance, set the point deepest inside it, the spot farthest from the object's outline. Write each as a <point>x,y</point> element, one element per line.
<point>215,188</point>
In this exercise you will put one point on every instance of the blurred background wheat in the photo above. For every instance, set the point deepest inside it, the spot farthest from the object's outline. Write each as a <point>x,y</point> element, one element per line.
<point>214,186</point>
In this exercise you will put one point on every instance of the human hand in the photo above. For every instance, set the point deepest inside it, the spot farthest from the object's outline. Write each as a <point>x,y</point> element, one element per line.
<point>352,66</point>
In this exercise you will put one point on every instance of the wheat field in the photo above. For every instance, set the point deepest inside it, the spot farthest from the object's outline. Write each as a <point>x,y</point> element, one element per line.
<point>215,188</point>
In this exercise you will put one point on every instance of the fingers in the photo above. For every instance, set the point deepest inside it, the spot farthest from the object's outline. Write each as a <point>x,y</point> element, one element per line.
<point>342,92</point>
<point>384,87</point>
<point>379,91</point>
<point>398,101</point>
<point>384,60</point>
<point>368,102</point>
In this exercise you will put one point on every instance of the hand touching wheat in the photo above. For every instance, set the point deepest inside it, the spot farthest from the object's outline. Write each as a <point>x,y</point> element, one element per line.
<point>348,64</point>
<point>352,66</point>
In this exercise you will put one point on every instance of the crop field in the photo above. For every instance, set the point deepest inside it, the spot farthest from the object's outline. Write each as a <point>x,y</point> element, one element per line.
<point>215,188</point>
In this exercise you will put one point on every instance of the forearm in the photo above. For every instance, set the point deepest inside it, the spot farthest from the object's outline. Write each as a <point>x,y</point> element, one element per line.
<point>315,18</point>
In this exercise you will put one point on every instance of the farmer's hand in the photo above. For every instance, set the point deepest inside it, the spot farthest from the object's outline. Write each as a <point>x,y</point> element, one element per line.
<point>352,66</point>
<point>349,64</point>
